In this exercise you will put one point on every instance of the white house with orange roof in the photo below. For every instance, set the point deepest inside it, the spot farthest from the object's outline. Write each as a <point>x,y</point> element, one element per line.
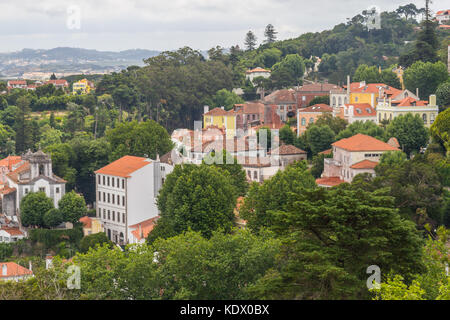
<point>11,234</point>
<point>442,16</point>
<point>257,72</point>
<point>357,112</point>
<point>126,192</point>
<point>11,271</point>
<point>352,156</point>
<point>140,231</point>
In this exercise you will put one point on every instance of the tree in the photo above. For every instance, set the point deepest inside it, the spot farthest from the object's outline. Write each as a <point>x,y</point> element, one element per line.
<point>365,127</point>
<point>289,71</point>
<point>270,34</point>
<point>72,207</point>
<point>330,237</point>
<point>440,129</point>
<point>426,76</point>
<point>319,138</point>
<point>53,218</point>
<point>53,77</point>
<point>94,240</point>
<point>22,125</point>
<point>317,165</point>
<point>227,99</point>
<point>273,194</point>
<point>145,139</point>
<point>443,95</point>
<point>410,132</point>
<point>33,207</point>
<point>320,100</point>
<point>287,136</point>
<point>201,198</point>
<point>335,123</point>
<point>250,40</point>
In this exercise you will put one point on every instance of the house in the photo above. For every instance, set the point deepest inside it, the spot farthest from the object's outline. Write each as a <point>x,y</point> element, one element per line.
<point>254,114</point>
<point>309,115</point>
<point>287,154</point>
<point>16,84</point>
<point>389,110</point>
<point>285,101</point>
<point>257,72</point>
<point>32,174</point>
<point>258,169</point>
<point>357,112</point>
<point>442,16</point>
<point>91,225</point>
<point>11,271</point>
<point>58,84</point>
<point>126,192</point>
<point>140,231</point>
<point>10,234</point>
<point>220,118</point>
<point>351,156</point>
<point>308,92</point>
<point>83,86</point>
<point>6,166</point>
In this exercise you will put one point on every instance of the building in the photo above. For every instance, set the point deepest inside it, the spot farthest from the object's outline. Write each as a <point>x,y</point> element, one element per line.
<point>220,118</point>
<point>126,192</point>
<point>32,174</point>
<point>10,234</point>
<point>285,101</point>
<point>16,84</point>
<point>91,225</point>
<point>309,115</point>
<point>11,271</point>
<point>258,169</point>
<point>287,154</point>
<point>357,112</point>
<point>140,231</point>
<point>83,86</point>
<point>389,110</point>
<point>352,156</point>
<point>7,165</point>
<point>257,72</point>
<point>308,92</point>
<point>58,84</point>
<point>442,16</point>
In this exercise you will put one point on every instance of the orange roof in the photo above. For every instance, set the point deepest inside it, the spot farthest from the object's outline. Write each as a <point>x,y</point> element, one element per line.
<point>124,166</point>
<point>329,181</point>
<point>7,190</point>
<point>13,270</point>
<point>287,149</point>
<point>362,142</point>
<point>86,221</point>
<point>409,101</point>
<point>219,112</point>
<point>365,164</point>
<point>257,70</point>
<point>359,87</point>
<point>13,231</point>
<point>9,161</point>
<point>393,142</point>
<point>145,227</point>
<point>328,151</point>
<point>362,110</point>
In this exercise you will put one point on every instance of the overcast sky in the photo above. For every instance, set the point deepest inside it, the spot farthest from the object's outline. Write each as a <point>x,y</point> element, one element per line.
<point>169,24</point>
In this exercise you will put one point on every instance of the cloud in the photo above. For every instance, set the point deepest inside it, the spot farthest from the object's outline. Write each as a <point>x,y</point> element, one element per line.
<point>169,24</point>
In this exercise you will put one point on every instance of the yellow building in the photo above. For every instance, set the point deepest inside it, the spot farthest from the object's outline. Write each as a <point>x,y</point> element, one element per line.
<point>82,87</point>
<point>428,111</point>
<point>91,225</point>
<point>360,92</point>
<point>222,119</point>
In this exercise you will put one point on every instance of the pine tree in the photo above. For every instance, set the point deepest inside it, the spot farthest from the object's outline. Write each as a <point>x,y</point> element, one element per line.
<point>270,34</point>
<point>250,40</point>
<point>53,77</point>
<point>22,125</point>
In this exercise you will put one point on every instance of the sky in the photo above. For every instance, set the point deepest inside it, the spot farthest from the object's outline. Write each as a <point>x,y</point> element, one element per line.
<point>116,25</point>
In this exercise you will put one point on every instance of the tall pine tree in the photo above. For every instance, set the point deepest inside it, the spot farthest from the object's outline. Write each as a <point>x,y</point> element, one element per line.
<point>270,34</point>
<point>250,40</point>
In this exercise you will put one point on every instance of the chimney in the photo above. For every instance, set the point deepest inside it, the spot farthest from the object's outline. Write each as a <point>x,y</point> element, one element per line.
<point>417,93</point>
<point>390,102</point>
<point>432,101</point>
<point>48,261</point>
<point>5,270</point>
<point>348,85</point>
<point>205,109</point>
<point>30,266</point>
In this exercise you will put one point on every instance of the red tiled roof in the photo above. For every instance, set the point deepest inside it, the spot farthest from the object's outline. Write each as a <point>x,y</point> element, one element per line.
<point>365,110</point>
<point>362,142</point>
<point>409,101</point>
<point>365,164</point>
<point>86,221</point>
<point>329,181</point>
<point>57,82</point>
<point>281,96</point>
<point>319,87</point>
<point>7,190</point>
<point>321,107</point>
<point>287,149</point>
<point>329,151</point>
<point>359,87</point>
<point>13,270</point>
<point>10,161</point>
<point>257,70</point>
<point>124,166</point>
<point>17,82</point>
<point>393,142</point>
<point>145,226</point>
<point>12,231</point>
<point>219,112</point>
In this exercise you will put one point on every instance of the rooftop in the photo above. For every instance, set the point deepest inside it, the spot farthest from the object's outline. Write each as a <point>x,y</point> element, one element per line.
<point>365,164</point>
<point>13,270</point>
<point>329,181</point>
<point>362,142</point>
<point>124,167</point>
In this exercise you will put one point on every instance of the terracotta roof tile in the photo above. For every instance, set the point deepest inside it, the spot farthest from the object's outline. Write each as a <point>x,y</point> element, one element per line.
<point>13,270</point>
<point>362,142</point>
<point>321,107</point>
<point>365,164</point>
<point>145,227</point>
<point>124,167</point>
<point>329,181</point>
<point>13,231</point>
<point>287,149</point>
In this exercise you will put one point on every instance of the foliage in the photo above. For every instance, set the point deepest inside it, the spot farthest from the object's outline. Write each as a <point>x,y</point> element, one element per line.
<point>33,207</point>
<point>365,127</point>
<point>53,218</point>
<point>94,240</point>
<point>426,76</point>
<point>319,138</point>
<point>72,207</point>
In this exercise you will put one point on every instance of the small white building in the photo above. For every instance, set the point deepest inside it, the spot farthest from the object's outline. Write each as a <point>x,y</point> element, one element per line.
<point>126,192</point>
<point>442,16</point>
<point>11,271</point>
<point>257,72</point>
<point>10,234</point>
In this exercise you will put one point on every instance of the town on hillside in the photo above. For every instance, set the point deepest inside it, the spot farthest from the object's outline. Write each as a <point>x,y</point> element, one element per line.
<point>315,167</point>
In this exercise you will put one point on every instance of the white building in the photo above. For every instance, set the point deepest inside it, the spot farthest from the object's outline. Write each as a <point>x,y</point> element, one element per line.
<point>442,16</point>
<point>126,192</point>
<point>257,72</point>
<point>357,112</point>
<point>32,174</point>
<point>10,235</point>
<point>11,271</point>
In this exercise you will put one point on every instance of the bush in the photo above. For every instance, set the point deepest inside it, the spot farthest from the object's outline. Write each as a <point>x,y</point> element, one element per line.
<point>51,238</point>
<point>92,240</point>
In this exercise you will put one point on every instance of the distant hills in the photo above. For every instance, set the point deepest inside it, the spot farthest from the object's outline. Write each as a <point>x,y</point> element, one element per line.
<point>64,61</point>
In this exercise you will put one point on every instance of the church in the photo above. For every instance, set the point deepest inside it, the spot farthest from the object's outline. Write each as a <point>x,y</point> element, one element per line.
<point>31,173</point>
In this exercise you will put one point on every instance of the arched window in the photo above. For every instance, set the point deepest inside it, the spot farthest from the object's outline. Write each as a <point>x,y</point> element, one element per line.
<point>390,117</point>
<point>334,101</point>
<point>303,122</point>
<point>340,101</point>
<point>311,120</point>
<point>424,117</point>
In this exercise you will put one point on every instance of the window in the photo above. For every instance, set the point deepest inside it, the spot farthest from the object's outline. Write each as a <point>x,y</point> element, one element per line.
<point>255,175</point>
<point>104,197</point>
<point>103,180</point>
<point>99,180</point>
<point>123,201</point>
<point>108,181</point>
<point>356,99</point>
<point>123,217</point>
<point>113,199</point>
<point>311,120</point>
<point>118,199</point>
<point>26,190</point>
<point>99,196</point>
<point>123,183</point>
<point>424,117</point>
<point>99,213</point>
<point>113,216</point>
<point>303,122</point>
<point>109,215</point>
<point>57,189</point>
<point>104,214</point>
<point>118,185</point>
<point>109,198</point>
<point>303,98</point>
<point>118,216</point>
<point>41,189</point>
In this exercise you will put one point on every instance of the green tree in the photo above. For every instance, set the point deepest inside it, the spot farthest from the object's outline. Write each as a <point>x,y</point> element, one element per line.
<point>92,240</point>
<point>426,76</point>
<point>365,127</point>
<point>72,207</point>
<point>320,100</point>
<point>33,207</point>
<point>409,131</point>
<point>443,95</point>
<point>201,198</point>
<point>270,34</point>
<point>319,138</point>
<point>227,99</point>
<point>335,123</point>
<point>250,40</point>
<point>287,136</point>
<point>22,125</point>
<point>53,218</point>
